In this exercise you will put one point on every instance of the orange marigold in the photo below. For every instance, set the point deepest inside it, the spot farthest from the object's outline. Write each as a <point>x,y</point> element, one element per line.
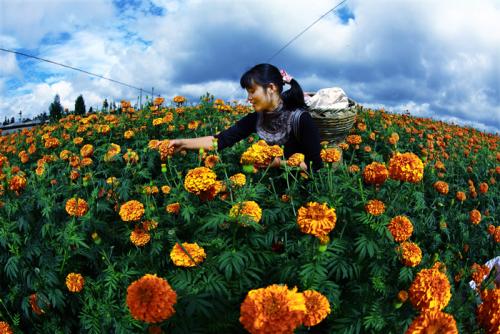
<point>238,180</point>
<point>5,328</point>
<point>406,167</point>
<point>475,217</point>
<point>131,156</point>
<point>411,254</point>
<point>354,139</point>
<point>403,296</point>
<point>140,236</point>
<point>199,179</point>
<point>17,183</point>
<point>316,219</point>
<point>112,152</point>
<point>375,173</point>
<point>260,154</point>
<point>165,190</point>
<point>274,309</point>
<point>441,187</point>
<point>131,211</point>
<point>173,208</point>
<point>401,228</point>
<point>433,321</point>
<point>375,207</point>
<point>247,210</point>
<point>75,282</point>
<point>87,150</point>
<point>211,161</point>
<point>331,154</point>
<point>190,256</point>
<point>496,236</point>
<point>151,299</point>
<point>488,312</point>
<point>318,307</point>
<point>479,273</point>
<point>76,207</point>
<point>483,188</point>
<point>34,305</point>
<point>430,290</point>
<point>295,159</point>
<point>460,196</point>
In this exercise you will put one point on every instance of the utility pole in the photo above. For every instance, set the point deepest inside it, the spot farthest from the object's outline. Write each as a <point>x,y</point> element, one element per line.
<point>20,116</point>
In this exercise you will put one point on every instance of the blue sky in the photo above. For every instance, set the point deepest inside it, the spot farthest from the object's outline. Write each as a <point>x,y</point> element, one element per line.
<point>436,59</point>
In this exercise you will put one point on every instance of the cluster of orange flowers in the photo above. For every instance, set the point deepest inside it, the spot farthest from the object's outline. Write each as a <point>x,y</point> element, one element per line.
<point>5,328</point>
<point>479,272</point>
<point>17,183</point>
<point>76,207</point>
<point>433,321</point>
<point>260,154</point>
<point>406,167</point>
<point>295,159</point>
<point>401,228</point>
<point>375,207</point>
<point>316,219</point>
<point>162,146</point>
<point>238,180</point>
<point>475,217</point>
<point>441,187</point>
<point>279,310</point>
<point>331,155</point>
<point>140,236</point>
<point>112,152</point>
<point>488,312</point>
<point>151,299</point>
<point>245,212</point>
<point>189,255</point>
<point>202,181</point>
<point>375,173</point>
<point>131,211</point>
<point>411,254</point>
<point>75,282</point>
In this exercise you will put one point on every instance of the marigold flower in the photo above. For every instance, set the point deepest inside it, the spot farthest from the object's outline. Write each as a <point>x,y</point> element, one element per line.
<point>76,207</point>
<point>131,211</point>
<point>131,156</point>
<point>316,219</point>
<point>211,161</point>
<point>433,321</point>
<point>181,259</point>
<point>479,273</point>
<point>173,208</point>
<point>165,190</point>
<point>165,149</point>
<point>430,290</point>
<point>496,236</point>
<point>248,210</point>
<point>151,299</point>
<point>274,309</point>
<point>199,179</point>
<point>5,328</point>
<point>238,180</point>
<point>75,282</point>
<point>491,229</point>
<point>87,150</point>
<point>140,236</point>
<point>353,169</point>
<point>260,154</point>
<point>460,196</point>
<point>128,134</point>
<point>441,187</point>
<point>411,254</point>
<point>331,155</point>
<point>483,188</point>
<point>403,296</point>
<point>179,99</point>
<point>401,228</point>
<point>17,183</point>
<point>375,173</point>
<point>354,139</point>
<point>394,138</point>
<point>112,152</point>
<point>149,225</point>
<point>34,306</point>
<point>406,167</point>
<point>375,207</point>
<point>488,312</point>
<point>318,307</point>
<point>475,217</point>
<point>150,190</point>
<point>295,159</point>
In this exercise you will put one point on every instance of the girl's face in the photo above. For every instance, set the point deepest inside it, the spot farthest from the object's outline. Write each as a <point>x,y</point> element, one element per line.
<point>263,99</point>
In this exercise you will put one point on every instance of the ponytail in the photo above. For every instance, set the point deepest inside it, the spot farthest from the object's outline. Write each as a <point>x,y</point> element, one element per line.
<point>294,97</point>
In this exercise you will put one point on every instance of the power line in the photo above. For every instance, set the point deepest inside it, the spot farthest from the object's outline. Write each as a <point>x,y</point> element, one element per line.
<point>77,69</point>
<point>303,31</point>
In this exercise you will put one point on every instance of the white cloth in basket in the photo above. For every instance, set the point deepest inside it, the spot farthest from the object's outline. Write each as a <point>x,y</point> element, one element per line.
<point>333,98</point>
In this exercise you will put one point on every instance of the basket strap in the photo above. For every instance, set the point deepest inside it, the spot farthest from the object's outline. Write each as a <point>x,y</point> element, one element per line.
<point>295,121</point>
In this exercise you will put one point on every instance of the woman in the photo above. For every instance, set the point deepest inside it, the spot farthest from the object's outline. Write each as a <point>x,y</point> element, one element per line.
<point>280,118</point>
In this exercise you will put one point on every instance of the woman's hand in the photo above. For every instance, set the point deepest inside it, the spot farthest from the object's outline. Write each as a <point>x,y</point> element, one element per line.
<point>177,144</point>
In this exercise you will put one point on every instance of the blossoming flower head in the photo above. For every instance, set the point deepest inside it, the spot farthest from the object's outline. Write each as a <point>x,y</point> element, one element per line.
<point>375,207</point>
<point>199,179</point>
<point>375,173</point>
<point>87,150</point>
<point>316,219</point>
<point>475,217</point>
<point>411,254</point>
<point>181,258</point>
<point>238,180</point>
<point>140,236</point>
<point>76,207</point>
<point>151,299</point>
<point>75,282</point>
<point>406,167</point>
<point>401,228</point>
<point>430,290</point>
<point>5,328</point>
<point>488,312</point>
<point>441,187</point>
<point>274,309</point>
<point>247,210</point>
<point>331,155</point>
<point>295,159</point>
<point>433,321</point>
<point>131,211</point>
<point>318,308</point>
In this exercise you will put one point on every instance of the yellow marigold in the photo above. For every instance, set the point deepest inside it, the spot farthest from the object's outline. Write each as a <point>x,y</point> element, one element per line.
<point>149,225</point>
<point>406,167</point>
<point>131,156</point>
<point>76,207</point>
<point>86,162</point>
<point>113,151</point>
<point>165,190</point>
<point>17,183</point>
<point>173,208</point>
<point>128,134</point>
<point>199,179</point>
<point>433,321</point>
<point>441,187</point>
<point>131,211</point>
<point>113,181</point>
<point>52,143</point>
<point>181,259</point>
<point>479,273</point>
<point>318,307</point>
<point>475,217</point>
<point>5,328</point>
<point>274,309</point>
<point>246,210</point>
<point>460,196</point>
<point>75,282</point>
<point>295,159</point>
<point>238,180</point>
<point>411,254</point>
<point>87,150</point>
<point>430,290</point>
<point>260,154</point>
<point>158,121</point>
<point>393,138</point>
<point>331,155</point>
<point>488,312</point>
<point>139,236</point>
<point>375,207</point>
<point>354,139</point>
<point>179,99</point>
<point>316,219</point>
<point>401,228</point>
<point>158,101</point>
<point>375,173</point>
<point>150,190</point>
<point>24,157</point>
<point>151,299</point>
<point>211,161</point>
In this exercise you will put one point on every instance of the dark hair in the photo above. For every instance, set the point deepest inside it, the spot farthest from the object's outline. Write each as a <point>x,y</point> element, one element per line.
<point>265,74</point>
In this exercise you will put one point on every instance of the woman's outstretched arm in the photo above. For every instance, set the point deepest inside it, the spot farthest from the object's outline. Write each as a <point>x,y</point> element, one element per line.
<point>206,143</point>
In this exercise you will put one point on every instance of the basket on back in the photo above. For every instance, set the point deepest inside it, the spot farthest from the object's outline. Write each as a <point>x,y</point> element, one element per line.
<point>333,113</point>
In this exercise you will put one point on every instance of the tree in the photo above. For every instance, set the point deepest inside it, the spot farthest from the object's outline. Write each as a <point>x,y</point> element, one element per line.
<point>91,110</point>
<point>105,104</point>
<point>12,120</point>
<point>55,109</point>
<point>79,106</point>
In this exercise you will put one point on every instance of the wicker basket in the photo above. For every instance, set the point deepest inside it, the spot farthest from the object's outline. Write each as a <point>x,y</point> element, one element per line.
<point>334,128</point>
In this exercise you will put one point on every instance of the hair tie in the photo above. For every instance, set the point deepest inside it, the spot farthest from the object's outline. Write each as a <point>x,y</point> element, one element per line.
<point>287,78</point>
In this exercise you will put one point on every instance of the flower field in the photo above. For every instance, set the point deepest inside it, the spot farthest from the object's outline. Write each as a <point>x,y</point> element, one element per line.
<point>104,230</point>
